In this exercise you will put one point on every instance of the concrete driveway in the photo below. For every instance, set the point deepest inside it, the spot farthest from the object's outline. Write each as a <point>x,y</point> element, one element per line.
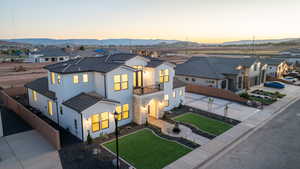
<point>27,150</point>
<point>235,111</point>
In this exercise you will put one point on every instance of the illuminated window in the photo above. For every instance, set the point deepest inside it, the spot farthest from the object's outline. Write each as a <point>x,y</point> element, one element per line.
<point>34,97</point>
<point>164,75</point>
<point>117,82</point>
<point>58,79</point>
<point>52,78</point>
<point>119,111</point>
<point>125,111</point>
<point>85,78</point>
<point>134,79</point>
<point>75,79</point>
<point>166,98</point>
<point>124,81</point>
<point>174,94</point>
<point>95,122</point>
<point>50,110</point>
<point>104,120</point>
<point>120,82</point>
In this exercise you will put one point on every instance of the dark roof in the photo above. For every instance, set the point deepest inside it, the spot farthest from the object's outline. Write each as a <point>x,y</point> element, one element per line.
<point>213,67</point>
<point>154,63</point>
<point>102,64</point>
<point>51,52</point>
<point>177,83</point>
<point>41,86</point>
<point>272,61</point>
<point>84,101</point>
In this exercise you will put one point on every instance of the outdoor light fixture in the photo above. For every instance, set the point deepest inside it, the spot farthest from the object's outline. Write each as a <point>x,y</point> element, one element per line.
<point>116,114</point>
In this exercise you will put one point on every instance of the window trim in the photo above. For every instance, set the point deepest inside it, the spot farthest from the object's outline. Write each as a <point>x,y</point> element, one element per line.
<point>100,122</point>
<point>164,75</point>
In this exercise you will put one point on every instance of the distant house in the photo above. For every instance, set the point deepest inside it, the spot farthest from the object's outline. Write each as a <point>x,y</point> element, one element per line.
<point>48,54</point>
<point>235,74</point>
<point>82,94</point>
<point>291,52</point>
<point>276,67</point>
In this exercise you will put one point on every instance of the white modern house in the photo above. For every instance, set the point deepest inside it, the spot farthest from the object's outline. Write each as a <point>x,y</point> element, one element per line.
<point>276,68</point>
<point>82,94</point>
<point>235,74</point>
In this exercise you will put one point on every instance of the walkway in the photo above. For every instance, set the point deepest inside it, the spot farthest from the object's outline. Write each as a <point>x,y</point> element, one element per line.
<point>186,132</point>
<point>27,150</point>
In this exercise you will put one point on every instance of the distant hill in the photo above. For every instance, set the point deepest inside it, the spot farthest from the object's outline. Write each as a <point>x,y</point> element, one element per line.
<point>265,41</point>
<point>45,41</point>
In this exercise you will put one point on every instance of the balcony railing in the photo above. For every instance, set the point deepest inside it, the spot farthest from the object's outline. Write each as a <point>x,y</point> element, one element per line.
<point>148,89</point>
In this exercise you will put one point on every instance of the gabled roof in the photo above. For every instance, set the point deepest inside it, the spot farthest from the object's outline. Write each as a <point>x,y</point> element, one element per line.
<point>41,86</point>
<point>213,67</point>
<point>85,100</point>
<point>272,61</point>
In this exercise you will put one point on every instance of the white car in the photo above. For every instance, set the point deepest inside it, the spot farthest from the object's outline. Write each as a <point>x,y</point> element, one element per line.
<point>290,79</point>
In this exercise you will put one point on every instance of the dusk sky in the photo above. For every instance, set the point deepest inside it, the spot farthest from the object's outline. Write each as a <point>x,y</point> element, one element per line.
<point>195,20</point>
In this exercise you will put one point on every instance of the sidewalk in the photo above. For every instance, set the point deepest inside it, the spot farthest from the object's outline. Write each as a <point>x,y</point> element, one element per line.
<point>201,155</point>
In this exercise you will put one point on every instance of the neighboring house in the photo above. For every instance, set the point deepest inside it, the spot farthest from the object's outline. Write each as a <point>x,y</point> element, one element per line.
<point>82,94</point>
<point>275,67</point>
<point>235,74</point>
<point>48,54</point>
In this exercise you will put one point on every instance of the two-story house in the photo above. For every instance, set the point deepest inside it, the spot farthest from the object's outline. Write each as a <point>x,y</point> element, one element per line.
<point>235,74</point>
<point>276,67</point>
<point>82,94</point>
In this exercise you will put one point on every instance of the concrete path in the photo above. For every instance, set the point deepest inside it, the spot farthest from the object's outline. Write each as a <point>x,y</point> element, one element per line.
<point>235,111</point>
<point>27,150</point>
<point>202,155</point>
<point>186,132</point>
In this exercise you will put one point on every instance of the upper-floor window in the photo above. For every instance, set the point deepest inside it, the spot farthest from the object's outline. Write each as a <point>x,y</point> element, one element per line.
<point>164,75</point>
<point>75,79</point>
<point>100,121</point>
<point>34,96</point>
<point>123,111</point>
<point>120,82</point>
<point>50,109</point>
<point>85,77</point>
<point>58,79</point>
<point>52,77</point>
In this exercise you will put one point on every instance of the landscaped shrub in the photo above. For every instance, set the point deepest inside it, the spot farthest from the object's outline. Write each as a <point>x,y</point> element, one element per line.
<point>176,128</point>
<point>89,139</point>
<point>245,95</point>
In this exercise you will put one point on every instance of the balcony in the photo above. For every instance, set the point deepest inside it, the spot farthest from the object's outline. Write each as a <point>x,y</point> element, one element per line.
<point>148,89</point>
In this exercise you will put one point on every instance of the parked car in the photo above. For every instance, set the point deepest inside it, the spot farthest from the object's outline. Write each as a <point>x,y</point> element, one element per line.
<point>290,79</point>
<point>276,85</point>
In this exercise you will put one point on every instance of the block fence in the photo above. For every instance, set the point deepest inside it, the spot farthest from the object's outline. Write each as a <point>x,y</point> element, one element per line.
<point>46,130</point>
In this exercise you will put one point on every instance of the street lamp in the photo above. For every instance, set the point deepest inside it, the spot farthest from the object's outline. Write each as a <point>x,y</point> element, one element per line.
<point>116,114</point>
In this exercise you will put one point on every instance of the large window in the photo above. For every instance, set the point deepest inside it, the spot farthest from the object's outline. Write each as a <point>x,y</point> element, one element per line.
<point>164,75</point>
<point>120,82</point>
<point>100,121</point>
<point>52,74</point>
<point>50,109</point>
<point>85,77</point>
<point>34,96</point>
<point>123,111</point>
<point>75,79</point>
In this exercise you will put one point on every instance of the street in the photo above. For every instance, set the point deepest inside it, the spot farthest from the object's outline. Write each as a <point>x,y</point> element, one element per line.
<point>275,146</point>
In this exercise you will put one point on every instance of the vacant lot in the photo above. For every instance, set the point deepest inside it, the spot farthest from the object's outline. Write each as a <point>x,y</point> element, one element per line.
<point>144,150</point>
<point>203,123</point>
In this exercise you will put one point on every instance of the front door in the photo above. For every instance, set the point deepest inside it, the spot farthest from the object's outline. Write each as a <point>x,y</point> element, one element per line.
<point>152,109</point>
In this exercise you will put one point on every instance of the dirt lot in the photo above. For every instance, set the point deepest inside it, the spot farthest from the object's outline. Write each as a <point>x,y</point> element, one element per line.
<point>17,74</point>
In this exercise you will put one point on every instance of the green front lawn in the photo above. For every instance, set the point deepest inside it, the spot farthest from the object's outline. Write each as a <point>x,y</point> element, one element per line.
<point>203,123</point>
<point>144,150</point>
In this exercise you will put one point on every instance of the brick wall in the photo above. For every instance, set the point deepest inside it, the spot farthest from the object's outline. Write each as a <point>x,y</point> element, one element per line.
<point>215,92</point>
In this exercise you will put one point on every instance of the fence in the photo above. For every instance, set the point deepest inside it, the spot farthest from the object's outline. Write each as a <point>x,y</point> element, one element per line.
<point>47,131</point>
<point>215,92</point>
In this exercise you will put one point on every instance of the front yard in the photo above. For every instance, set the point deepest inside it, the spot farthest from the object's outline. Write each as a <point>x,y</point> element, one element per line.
<point>203,123</point>
<point>145,150</point>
